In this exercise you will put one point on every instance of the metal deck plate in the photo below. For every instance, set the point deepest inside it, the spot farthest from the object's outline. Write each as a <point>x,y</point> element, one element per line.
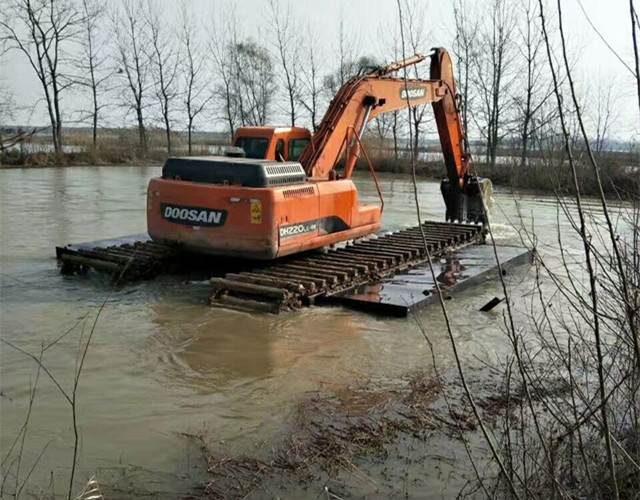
<point>413,289</point>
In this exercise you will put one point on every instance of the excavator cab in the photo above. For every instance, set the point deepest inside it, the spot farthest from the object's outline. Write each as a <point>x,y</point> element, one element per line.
<point>272,143</point>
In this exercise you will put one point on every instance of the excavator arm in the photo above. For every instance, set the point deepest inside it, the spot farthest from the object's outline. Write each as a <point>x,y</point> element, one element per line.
<point>367,96</point>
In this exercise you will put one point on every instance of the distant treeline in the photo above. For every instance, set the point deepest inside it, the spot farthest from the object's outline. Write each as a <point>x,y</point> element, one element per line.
<point>543,171</point>
<point>160,67</point>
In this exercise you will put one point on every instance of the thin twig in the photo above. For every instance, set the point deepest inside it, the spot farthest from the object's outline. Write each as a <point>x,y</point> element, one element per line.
<point>443,307</point>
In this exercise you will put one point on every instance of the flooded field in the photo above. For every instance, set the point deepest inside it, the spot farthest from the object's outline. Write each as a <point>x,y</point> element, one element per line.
<point>163,363</point>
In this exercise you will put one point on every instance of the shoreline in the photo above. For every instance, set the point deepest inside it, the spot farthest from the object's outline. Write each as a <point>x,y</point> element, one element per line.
<point>536,179</point>
<point>137,163</point>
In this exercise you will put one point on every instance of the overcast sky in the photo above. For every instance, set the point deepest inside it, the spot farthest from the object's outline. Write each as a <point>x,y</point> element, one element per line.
<point>365,20</point>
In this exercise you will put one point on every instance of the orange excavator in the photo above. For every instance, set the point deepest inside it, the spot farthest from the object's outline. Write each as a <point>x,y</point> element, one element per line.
<point>290,191</point>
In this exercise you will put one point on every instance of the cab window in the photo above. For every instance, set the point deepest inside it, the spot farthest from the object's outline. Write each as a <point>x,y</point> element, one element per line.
<point>296,147</point>
<point>254,147</point>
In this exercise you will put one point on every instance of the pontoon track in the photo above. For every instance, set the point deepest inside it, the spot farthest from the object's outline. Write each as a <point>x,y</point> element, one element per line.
<point>293,283</point>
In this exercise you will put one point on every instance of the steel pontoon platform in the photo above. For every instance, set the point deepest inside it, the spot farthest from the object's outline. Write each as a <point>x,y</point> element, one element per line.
<point>305,279</point>
<point>328,275</point>
<point>413,289</point>
<point>127,258</point>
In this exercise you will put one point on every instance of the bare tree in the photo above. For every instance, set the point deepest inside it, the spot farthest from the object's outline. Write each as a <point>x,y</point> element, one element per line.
<point>134,64</point>
<point>387,123</point>
<point>253,82</point>
<point>348,69</point>
<point>222,42</point>
<point>7,114</point>
<point>164,63</point>
<point>92,62</point>
<point>493,74</point>
<point>7,105</point>
<point>311,90</point>
<point>536,93</point>
<point>604,112</point>
<point>635,26</point>
<point>287,45</point>
<point>196,96</point>
<point>416,36</point>
<point>346,51</point>
<point>464,50</point>
<point>530,48</point>
<point>41,30</point>
<point>7,98</point>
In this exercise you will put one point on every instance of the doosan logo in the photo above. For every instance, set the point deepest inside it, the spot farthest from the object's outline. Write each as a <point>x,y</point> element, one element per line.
<point>413,93</point>
<point>193,216</point>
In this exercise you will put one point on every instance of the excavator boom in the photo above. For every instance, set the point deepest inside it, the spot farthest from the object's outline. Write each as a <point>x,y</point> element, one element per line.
<point>367,96</point>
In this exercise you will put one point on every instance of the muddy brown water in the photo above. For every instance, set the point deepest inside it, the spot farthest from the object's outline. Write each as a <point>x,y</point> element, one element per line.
<point>162,362</point>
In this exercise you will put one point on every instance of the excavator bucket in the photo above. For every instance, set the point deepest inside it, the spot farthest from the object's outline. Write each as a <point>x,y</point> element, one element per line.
<point>470,203</point>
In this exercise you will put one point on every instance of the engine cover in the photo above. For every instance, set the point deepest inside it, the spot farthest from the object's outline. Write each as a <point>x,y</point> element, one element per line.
<point>224,170</point>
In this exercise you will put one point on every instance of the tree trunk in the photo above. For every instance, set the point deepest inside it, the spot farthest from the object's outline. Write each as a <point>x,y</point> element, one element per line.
<point>54,136</point>
<point>293,109</point>
<point>525,146</point>
<point>58,125</point>
<point>494,149</point>
<point>525,140</point>
<point>394,130</point>
<point>95,119</point>
<point>416,136</point>
<point>52,120</point>
<point>94,95</point>
<point>141,132</point>
<point>168,134</point>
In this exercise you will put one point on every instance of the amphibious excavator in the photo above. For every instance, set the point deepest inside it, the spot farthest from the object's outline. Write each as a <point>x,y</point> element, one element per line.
<point>292,191</point>
<point>283,191</point>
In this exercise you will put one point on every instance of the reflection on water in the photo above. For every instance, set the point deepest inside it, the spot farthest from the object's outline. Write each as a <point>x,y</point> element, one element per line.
<point>450,271</point>
<point>221,349</point>
<point>162,362</point>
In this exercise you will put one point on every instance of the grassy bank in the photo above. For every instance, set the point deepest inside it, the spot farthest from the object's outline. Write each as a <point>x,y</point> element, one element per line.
<point>15,159</point>
<point>114,147</point>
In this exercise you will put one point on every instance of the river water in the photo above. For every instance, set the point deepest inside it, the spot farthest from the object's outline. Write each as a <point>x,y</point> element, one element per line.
<point>163,363</point>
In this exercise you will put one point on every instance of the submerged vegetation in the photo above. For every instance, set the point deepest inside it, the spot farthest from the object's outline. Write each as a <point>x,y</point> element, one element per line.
<point>331,438</point>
